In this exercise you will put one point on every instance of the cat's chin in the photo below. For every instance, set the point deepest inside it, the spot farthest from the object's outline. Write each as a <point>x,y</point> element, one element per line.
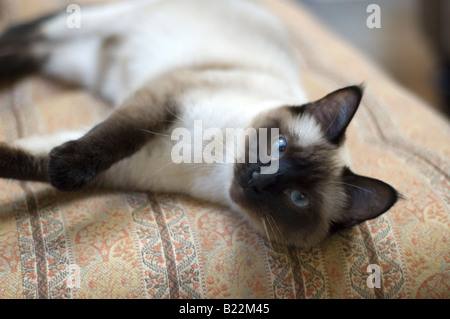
<point>277,235</point>
<point>275,232</point>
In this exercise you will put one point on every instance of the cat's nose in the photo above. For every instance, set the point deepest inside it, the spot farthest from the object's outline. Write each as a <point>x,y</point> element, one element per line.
<point>260,182</point>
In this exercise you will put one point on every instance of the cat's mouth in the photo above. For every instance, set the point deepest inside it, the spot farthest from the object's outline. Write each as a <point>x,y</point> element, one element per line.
<point>252,181</point>
<point>246,176</point>
<point>243,182</point>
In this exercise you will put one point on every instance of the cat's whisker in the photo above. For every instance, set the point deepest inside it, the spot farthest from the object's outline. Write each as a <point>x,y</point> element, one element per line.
<point>155,133</point>
<point>263,220</point>
<point>270,221</point>
<point>176,116</point>
<point>352,185</point>
<point>161,168</point>
<point>323,195</point>
<point>214,160</point>
<point>276,226</point>
<point>203,167</point>
<point>171,121</point>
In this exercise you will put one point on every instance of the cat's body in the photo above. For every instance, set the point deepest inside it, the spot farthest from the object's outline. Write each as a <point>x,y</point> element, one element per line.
<point>167,64</point>
<point>137,41</point>
<point>196,38</point>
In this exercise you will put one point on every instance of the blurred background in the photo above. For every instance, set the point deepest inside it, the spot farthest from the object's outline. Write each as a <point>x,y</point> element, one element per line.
<point>412,45</point>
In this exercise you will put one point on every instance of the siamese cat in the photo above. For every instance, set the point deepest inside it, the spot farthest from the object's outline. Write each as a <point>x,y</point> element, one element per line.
<point>166,64</point>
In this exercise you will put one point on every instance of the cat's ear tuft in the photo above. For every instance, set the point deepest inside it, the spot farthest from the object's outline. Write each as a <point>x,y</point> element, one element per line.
<point>335,111</point>
<point>367,199</point>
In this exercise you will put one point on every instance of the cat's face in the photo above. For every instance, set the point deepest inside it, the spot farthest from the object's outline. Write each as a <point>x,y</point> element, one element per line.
<point>313,192</point>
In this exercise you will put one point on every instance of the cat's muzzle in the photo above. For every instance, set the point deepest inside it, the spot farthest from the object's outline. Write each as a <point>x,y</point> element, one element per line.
<point>251,179</point>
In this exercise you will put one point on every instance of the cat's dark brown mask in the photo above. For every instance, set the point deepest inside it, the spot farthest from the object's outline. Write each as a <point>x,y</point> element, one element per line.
<point>313,192</point>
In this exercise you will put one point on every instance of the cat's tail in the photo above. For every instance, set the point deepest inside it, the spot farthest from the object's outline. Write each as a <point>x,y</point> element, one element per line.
<point>65,44</point>
<point>18,49</point>
<point>19,164</point>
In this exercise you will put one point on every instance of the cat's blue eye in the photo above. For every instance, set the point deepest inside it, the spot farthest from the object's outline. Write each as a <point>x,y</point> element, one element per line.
<point>279,147</point>
<point>299,199</point>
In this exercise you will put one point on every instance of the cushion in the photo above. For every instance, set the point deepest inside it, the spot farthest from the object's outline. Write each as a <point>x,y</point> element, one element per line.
<point>109,244</point>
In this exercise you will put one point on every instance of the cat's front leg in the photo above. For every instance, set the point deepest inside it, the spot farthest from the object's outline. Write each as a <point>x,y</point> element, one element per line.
<point>76,163</point>
<point>27,159</point>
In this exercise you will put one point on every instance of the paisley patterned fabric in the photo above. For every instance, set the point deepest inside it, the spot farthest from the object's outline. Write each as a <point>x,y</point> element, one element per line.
<point>134,245</point>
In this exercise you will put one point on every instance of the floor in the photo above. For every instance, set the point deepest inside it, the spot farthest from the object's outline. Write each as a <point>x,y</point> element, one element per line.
<point>399,45</point>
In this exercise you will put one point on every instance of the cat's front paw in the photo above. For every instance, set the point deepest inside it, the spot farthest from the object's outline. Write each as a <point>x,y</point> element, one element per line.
<point>71,167</point>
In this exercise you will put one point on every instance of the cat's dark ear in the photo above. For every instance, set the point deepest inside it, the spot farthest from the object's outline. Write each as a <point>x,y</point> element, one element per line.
<point>367,198</point>
<point>335,111</point>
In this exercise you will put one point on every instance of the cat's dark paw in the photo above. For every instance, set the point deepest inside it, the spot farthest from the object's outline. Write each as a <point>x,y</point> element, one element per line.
<point>71,167</point>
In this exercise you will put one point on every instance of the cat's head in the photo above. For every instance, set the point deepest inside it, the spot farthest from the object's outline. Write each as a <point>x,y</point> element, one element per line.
<point>313,192</point>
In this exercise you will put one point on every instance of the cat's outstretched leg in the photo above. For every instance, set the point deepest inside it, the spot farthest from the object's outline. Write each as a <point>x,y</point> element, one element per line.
<point>27,159</point>
<point>16,163</point>
<point>75,164</point>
